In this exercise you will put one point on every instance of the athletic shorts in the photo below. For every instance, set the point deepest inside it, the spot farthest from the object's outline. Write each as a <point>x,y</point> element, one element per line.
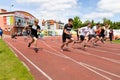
<point>64,37</point>
<point>34,36</point>
<point>102,35</point>
<point>91,36</point>
<point>82,37</point>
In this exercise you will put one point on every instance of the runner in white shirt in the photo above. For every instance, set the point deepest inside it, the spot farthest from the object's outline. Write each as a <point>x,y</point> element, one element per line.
<point>84,32</point>
<point>93,37</point>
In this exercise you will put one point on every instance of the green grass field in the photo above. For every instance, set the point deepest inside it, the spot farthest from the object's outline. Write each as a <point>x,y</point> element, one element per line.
<point>10,66</point>
<point>116,41</point>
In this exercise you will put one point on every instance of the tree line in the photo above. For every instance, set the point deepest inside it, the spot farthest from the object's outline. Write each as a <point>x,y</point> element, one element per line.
<point>77,23</point>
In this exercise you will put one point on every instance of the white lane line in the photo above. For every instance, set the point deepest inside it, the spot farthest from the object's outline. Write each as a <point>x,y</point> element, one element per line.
<point>25,65</point>
<point>108,48</point>
<point>108,52</point>
<point>71,59</point>
<point>13,51</point>
<point>101,70</point>
<point>96,67</point>
<point>81,64</point>
<point>84,63</point>
<point>40,70</point>
<point>66,57</point>
<point>105,58</point>
<point>101,57</point>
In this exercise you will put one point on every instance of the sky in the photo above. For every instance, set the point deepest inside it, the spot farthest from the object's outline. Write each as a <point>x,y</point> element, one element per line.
<point>61,10</point>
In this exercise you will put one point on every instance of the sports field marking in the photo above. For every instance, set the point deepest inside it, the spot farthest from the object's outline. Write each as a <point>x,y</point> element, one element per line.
<point>64,56</point>
<point>87,53</point>
<point>13,51</point>
<point>108,52</point>
<point>84,64</point>
<point>40,70</point>
<point>108,48</point>
<point>80,63</point>
<point>101,70</point>
<point>105,58</point>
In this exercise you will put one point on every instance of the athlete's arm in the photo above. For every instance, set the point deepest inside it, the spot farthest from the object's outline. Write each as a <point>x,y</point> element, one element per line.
<point>38,29</point>
<point>65,31</point>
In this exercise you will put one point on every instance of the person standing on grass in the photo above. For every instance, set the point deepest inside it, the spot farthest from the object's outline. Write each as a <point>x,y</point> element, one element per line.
<point>1,32</point>
<point>67,34</point>
<point>34,29</point>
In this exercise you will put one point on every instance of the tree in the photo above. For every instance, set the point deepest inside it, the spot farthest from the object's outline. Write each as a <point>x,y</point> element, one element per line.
<point>77,23</point>
<point>85,23</point>
<point>105,20</point>
<point>93,23</point>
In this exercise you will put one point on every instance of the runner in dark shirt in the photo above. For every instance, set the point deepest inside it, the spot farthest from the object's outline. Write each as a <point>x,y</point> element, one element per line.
<point>34,29</point>
<point>67,34</point>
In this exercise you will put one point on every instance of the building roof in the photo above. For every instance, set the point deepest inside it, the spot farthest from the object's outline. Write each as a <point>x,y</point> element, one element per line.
<point>12,12</point>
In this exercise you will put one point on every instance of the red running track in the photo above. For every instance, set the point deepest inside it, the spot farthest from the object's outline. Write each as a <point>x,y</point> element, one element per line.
<point>95,63</point>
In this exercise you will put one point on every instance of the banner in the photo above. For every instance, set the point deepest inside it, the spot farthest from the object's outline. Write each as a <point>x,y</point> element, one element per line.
<point>9,20</point>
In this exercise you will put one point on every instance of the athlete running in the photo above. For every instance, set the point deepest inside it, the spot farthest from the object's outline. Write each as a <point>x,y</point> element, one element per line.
<point>34,29</point>
<point>94,34</point>
<point>84,32</point>
<point>67,34</point>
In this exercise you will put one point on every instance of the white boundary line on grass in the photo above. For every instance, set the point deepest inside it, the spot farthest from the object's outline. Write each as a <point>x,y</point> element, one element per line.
<point>40,70</point>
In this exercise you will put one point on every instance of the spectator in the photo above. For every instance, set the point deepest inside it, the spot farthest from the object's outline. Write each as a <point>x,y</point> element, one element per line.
<point>1,32</point>
<point>111,35</point>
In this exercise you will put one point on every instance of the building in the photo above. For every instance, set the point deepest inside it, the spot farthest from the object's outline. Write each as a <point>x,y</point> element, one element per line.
<point>15,21</point>
<point>53,27</point>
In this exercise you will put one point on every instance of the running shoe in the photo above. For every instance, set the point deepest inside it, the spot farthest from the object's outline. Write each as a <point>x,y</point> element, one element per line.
<point>36,50</point>
<point>29,45</point>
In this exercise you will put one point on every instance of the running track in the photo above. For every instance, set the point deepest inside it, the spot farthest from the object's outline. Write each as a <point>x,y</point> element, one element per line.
<point>95,63</point>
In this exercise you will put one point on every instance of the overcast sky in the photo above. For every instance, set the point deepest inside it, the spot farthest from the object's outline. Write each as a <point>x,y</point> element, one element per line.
<point>64,9</point>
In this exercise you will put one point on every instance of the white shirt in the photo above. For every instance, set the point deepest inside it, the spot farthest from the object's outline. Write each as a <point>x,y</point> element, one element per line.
<point>92,31</point>
<point>84,31</point>
<point>34,27</point>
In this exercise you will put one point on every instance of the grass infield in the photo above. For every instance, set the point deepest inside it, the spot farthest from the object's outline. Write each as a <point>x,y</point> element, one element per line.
<point>116,41</point>
<point>11,67</point>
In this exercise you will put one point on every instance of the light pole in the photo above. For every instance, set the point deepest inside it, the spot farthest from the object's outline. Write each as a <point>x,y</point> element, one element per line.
<point>11,6</point>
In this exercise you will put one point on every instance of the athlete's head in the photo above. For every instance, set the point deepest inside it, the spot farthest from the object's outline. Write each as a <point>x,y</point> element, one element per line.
<point>70,21</point>
<point>106,25</point>
<point>36,21</point>
<point>97,24</point>
<point>89,24</point>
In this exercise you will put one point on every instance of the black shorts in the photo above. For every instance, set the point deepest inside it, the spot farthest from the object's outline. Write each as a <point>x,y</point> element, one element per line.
<point>34,36</point>
<point>91,36</point>
<point>102,35</point>
<point>82,37</point>
<point>64,37</point>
